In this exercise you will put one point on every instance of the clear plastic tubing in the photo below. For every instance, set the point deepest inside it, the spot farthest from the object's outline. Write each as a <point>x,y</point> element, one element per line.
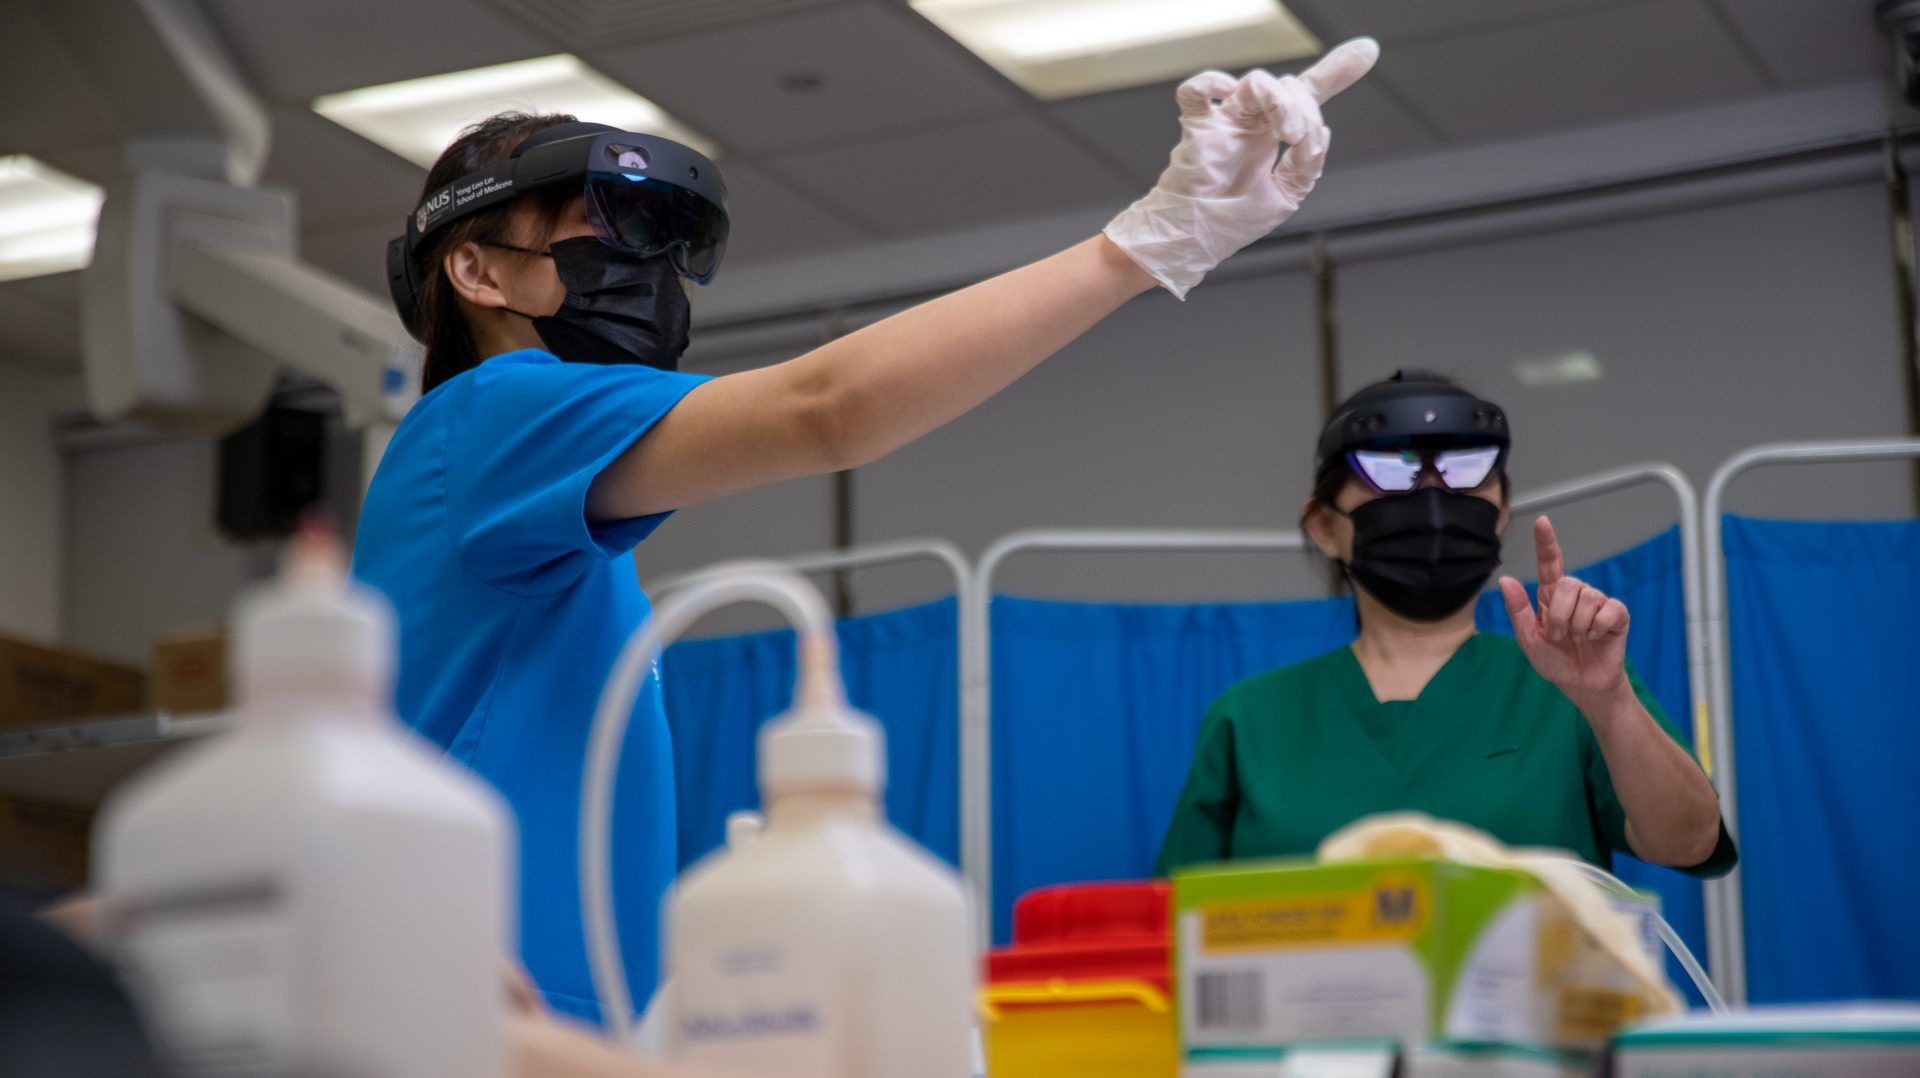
<point>1715,1002</point>
<point>818,683</point>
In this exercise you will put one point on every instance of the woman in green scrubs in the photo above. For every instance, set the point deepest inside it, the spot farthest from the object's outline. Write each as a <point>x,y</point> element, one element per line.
<point>1545,738</point>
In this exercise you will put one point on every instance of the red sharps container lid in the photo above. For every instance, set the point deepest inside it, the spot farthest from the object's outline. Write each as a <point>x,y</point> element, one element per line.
<point>1087,932</point>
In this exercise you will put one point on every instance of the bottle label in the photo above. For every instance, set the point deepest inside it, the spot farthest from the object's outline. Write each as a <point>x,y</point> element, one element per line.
<point>759,1004</point>
<point>211,969</point>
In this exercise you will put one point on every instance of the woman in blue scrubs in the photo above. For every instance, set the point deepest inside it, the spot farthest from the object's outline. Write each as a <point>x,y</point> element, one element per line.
<point>554,435</point>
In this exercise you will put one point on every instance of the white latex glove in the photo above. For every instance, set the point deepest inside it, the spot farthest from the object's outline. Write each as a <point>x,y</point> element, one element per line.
<point>1222,189</point>
<point>1412,834</point>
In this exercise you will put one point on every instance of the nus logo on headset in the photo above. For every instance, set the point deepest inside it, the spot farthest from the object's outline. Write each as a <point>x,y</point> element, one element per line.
<point>430,207</point>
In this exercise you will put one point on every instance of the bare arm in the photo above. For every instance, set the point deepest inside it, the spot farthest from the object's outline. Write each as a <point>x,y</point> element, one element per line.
<point>1250,150</point>
<point>852,401</point>
<point>1673,815</point>
<point>1578,640</point>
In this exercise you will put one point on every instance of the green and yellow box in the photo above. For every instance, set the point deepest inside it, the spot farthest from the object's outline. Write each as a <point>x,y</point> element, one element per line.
<point>1277,953</point>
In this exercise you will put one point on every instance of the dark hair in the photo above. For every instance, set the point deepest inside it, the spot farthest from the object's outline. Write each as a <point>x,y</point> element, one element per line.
<point>451,348</point>
<point>1333,478</point>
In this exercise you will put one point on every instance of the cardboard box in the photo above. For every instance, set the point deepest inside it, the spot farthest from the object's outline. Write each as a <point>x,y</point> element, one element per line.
<point>42,846</point>
<point>1277,954</point>
<point>190,673</point>
<point>40,685</point>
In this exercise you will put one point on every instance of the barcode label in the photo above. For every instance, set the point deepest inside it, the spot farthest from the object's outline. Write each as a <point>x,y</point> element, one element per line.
<point>1231,1001</point>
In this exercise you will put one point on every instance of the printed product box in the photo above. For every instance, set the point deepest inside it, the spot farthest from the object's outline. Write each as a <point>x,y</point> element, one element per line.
<point>41,685</point>
<point>1283,953</point>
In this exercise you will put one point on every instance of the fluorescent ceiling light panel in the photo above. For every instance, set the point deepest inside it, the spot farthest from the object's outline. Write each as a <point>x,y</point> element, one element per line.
<point>1064,48</point>
<point>1567,368</point>
<point>418,118</point>
<point>47,219</point>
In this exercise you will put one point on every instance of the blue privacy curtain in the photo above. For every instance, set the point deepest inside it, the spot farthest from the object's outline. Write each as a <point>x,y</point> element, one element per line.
<point>900,667</point>
<point>1096,707</point>
<point>1825,651</point>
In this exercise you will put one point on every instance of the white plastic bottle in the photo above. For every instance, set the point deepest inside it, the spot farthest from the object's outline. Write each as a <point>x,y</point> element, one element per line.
<point>829,945</point>
<point>315,893</point>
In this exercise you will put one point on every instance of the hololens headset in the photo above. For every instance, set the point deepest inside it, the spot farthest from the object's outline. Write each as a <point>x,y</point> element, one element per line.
<point>644,194</point>
<point>1392,434</point>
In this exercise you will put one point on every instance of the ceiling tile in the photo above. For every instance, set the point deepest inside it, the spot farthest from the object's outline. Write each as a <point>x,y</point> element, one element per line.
<point>48,105</point>
<point>1139,127</point>
<point>1616,63</point>
<point>341,178</point>
<point>1416,20</point>
<point>96,163</point>
<point>880,71</point>
<point>1805,43</point>
<point>294,52</point>
<point>588,24</point>
<point>996,171</point>
<point>771,220</point>
<point>1369,123</point>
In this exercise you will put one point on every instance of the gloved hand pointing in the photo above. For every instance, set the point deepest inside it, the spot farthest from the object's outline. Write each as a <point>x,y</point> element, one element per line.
<point>1222,189</point>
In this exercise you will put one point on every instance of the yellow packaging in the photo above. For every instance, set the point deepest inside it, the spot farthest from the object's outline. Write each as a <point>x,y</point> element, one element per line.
<point>1079,1029</point>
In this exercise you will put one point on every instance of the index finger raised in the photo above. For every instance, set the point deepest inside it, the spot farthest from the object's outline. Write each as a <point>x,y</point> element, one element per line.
<point>1341,68</point>
<point>1553,564</point>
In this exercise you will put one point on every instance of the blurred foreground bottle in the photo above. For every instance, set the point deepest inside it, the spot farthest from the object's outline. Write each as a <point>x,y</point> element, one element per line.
<point>827,945</point>
<point>317,893</point>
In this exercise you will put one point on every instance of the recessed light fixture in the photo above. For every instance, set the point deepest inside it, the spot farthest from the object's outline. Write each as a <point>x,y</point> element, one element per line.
<point>1566,368</point>
<point>1064,48</point>
<point>47,219</point>
<point>418,118</point>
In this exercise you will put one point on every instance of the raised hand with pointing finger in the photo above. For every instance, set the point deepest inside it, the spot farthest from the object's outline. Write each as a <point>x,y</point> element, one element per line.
<point>1228,183</point>
<point>1576,636</point>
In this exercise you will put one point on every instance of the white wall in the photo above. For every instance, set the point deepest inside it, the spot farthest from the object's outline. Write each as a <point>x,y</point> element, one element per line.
<point>790,518</point>
<point>1168,414</point>
<point>31,494</point>
<point>144,557</point>
<point>1717,329</point>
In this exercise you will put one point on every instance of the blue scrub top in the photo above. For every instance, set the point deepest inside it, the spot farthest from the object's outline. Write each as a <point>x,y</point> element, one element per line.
<point>512,608</point>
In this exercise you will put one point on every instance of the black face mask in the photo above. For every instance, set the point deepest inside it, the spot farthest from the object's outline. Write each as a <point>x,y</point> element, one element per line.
<point>1425,554</point>
<point>619,309</point>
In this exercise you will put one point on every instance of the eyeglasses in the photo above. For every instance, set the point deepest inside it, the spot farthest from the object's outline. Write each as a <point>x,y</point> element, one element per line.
<point>1396,471</point>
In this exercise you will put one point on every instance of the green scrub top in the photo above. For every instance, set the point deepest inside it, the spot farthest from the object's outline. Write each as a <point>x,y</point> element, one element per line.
<point>1291,756</point>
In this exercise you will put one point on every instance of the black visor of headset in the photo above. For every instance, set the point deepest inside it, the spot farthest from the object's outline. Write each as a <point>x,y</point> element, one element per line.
<point>1410,419</point>
<point>643,194</point>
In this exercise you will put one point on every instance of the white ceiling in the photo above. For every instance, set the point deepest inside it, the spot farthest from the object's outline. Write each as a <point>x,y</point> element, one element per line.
<point>903,132</point>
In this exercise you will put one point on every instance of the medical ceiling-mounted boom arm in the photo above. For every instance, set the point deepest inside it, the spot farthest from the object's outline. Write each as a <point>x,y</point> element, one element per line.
<point>196,298</point>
